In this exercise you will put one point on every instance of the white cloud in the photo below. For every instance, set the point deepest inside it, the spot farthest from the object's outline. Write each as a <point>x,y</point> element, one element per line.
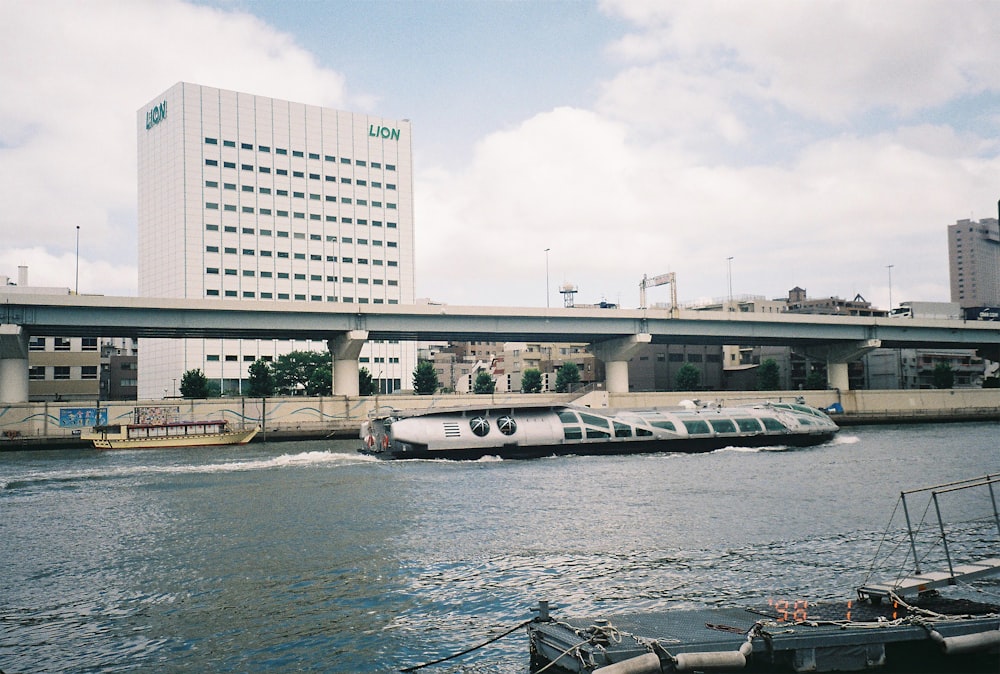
<point>826,59</point>
<point>73,76</point>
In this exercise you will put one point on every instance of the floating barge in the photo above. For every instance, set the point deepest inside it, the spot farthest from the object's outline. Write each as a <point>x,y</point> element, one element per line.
<point>900,625</point>
<point>825,638</point>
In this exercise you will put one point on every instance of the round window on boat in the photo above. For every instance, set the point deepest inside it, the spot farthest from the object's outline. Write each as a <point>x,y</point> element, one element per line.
<point>507,425</point>
<point>480,426</point>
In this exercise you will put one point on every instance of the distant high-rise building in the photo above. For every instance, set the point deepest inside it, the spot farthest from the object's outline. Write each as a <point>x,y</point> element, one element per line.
<point>974,262</point>
<point>250,198</point>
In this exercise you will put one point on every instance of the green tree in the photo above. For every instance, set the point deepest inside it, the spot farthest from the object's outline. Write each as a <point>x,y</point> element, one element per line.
<point>568,376</point>
<point>320,382</point>
<point>815,381</point>
<point>366,385</point>
<point>687,378</point>
<point>194,384</point>
<point>769,376</point>
<point>425,380</point>
<point>293,370</point>
<point>531,381</point>
<point>484,383</point>
<point>261,381</point>
<point>943,376</point>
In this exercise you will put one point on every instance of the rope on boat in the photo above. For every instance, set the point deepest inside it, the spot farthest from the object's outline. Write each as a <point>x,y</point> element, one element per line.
<point>469,650</point>
<point>595,634</point>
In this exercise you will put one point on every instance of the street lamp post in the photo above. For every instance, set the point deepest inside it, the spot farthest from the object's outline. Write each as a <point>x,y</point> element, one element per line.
<point>546,278</point>
<point>78,259</point>
<point>889,267</point>
<point>730,261</point>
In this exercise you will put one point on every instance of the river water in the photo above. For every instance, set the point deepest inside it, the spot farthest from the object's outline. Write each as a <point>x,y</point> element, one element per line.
<point>304,556</point>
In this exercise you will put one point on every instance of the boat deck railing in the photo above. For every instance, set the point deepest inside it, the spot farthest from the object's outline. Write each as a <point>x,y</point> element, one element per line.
<point>921,581</point>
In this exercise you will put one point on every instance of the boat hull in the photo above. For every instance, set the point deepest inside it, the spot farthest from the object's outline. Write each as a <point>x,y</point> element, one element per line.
<point>107,441</point>
<point>606,448</point>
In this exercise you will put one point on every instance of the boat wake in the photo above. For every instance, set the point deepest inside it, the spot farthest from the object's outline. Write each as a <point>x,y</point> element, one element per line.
<point>72,478</point>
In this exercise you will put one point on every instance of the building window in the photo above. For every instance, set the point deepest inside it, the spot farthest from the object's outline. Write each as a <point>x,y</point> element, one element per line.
<point>61,344</point>
<point>88,343</point>
<point>211,162</point>
<point>60,372</point>
<point>211,141</point>
<point>88,372</point>
<point>36,373</point>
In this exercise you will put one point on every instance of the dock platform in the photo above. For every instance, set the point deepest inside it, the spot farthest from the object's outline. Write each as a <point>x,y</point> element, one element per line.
<point>852,636</point>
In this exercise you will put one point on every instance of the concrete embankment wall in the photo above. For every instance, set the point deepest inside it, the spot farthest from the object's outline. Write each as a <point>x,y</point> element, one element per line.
<point>58,424</point>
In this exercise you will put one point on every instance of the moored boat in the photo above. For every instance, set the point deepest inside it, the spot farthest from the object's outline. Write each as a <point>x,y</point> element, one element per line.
<point>168,434</point>
<point>537,430</point>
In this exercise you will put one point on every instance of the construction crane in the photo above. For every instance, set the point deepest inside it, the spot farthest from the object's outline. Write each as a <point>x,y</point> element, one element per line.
<point>660,280</point>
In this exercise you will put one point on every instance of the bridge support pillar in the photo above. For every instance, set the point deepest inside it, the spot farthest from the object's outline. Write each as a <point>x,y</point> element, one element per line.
<point>615,353</point>
<point>345,349</point>
<point>837,356</point>
<point>13,364</point>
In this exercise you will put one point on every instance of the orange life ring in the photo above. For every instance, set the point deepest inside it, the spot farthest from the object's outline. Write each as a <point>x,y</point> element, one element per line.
<point>371,440</point>
<point>385,442</point>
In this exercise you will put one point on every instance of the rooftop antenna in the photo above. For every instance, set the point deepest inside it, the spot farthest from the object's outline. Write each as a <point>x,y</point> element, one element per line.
<point>568,291</point>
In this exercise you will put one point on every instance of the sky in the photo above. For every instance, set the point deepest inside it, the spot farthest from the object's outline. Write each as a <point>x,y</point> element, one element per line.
<point>748,147</point>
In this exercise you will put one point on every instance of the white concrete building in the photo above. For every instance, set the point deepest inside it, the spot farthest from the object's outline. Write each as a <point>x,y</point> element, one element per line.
<point>245,197</point>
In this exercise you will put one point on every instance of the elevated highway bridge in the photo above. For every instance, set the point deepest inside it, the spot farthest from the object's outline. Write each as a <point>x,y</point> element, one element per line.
<point>613,334</point>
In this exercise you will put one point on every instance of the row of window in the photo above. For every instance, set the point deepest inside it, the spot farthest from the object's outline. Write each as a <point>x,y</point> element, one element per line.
<point>213,293</point>
<point>299,215</point>
<point>300,276</point>
<point>60,372</point>
<point>249,358</point>
<point>266,149</point>
<point>61,343</point>
<point>284,234</point>
<point>266,170</point>
<point>315,257</point>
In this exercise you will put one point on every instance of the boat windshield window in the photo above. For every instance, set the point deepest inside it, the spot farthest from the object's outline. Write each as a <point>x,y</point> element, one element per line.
<point>642,432</point>
<point>772,424</point>
<point>568,417</point>
<point>723,425</point>
<point>622,430</point>
<point>748,425</point>
<point>594,433</point>
<point>806,422</point>
<point>668,425</point>
<point>572,433</point>
<point>594,421</point>
<point>697,427</point>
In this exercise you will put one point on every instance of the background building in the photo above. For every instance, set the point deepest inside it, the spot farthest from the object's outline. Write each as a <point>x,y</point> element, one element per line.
<point>974,262</point>
<point>74,368</point>
<point>250,198</point>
